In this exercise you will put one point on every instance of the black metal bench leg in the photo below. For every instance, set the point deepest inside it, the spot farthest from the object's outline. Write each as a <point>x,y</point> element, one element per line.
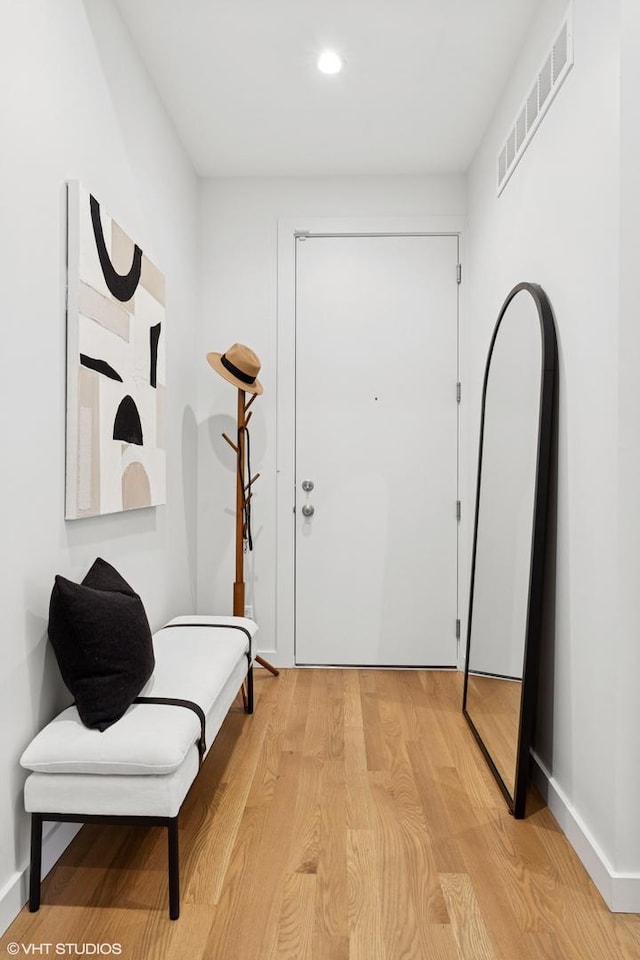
<point>36,862</point>
<point>249,701</point>
<point>174,870</point>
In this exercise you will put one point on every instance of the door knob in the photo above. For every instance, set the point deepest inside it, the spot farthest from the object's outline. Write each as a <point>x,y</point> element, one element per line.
<point>308,510</point>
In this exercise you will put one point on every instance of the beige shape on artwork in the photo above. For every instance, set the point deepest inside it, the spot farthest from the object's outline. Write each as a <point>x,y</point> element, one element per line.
<point>104,310</point>
<point>152,280</point>
<point>136,489</point>
<point>88,476</point>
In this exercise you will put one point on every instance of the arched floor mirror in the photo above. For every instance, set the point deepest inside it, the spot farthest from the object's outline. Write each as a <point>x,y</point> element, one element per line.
<point>505,602</point>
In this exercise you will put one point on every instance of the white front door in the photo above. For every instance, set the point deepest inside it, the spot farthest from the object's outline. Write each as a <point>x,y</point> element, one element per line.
<point>376,437</point>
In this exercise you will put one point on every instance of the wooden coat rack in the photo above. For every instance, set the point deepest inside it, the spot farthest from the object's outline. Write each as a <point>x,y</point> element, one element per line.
<point>243,502</point>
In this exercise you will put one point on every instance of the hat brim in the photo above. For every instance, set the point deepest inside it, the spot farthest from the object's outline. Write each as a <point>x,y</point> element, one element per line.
<point>214,360</point>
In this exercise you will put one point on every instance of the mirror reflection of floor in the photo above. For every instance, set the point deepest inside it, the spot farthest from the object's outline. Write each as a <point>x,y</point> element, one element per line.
<point>493,703</point>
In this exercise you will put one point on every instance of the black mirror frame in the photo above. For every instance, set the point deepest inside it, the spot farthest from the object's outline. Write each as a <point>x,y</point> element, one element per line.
<point>517,802</point>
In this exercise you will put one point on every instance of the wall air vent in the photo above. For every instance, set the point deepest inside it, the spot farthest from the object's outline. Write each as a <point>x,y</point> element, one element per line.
<point>548,81</point>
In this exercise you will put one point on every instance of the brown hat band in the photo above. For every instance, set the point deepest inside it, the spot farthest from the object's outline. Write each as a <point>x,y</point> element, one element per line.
<point>235,371</point>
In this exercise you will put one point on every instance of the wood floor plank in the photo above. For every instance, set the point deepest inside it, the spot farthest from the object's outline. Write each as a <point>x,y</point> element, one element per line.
<point>332,889</point>
<point>374,741</point>
<point>212,814</point>
<point>277,721</point>
<point>352,699</point>
<point>324,735</point>
<point>366,935</point>
<point>359,809</point>
<point>438,942</point>
<point>173,941</point>
<point>297,919</point>
<point>468,926</point>
<point>261,879</point>
<point>306,818</point>
<point>411,896</point>
<point>431,783</point>
<point>511,892</point>
<point>400,812</point>
<point>295,730</point>
<point>399,919</point>
<point>229,915</point>
<point>327,947</point>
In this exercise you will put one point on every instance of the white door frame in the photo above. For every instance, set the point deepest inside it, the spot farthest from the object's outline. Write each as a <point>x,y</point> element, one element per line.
<point>285,399</point>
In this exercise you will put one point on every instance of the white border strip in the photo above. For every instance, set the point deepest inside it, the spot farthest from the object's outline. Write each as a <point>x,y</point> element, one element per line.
<point>620,891</point>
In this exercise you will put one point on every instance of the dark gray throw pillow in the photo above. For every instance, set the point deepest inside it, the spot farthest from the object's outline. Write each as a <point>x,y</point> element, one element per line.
<point>102,641</point>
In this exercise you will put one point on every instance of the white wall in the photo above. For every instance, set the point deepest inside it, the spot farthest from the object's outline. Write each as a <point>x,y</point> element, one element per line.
<point>558,224</point>
<point>76,105</point>
<point>239,256</point>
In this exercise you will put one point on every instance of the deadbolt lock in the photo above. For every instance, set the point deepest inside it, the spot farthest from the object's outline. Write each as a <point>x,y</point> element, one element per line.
<point>307,486</point>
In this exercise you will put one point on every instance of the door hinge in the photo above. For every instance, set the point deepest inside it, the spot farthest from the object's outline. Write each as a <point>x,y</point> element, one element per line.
<point>458,391</point>
<point>459,273</point>
<point>458,510</point>
<point>457,629</point>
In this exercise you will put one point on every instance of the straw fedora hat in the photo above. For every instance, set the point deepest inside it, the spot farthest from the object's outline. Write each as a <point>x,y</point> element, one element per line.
<point>239,365</point>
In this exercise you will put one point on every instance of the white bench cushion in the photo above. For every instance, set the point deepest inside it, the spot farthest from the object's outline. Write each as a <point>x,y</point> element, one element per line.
<point>111,795</point>
<point>192,663</point>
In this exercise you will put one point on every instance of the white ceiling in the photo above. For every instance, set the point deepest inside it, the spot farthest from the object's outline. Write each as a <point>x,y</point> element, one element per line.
<point>238,78</point>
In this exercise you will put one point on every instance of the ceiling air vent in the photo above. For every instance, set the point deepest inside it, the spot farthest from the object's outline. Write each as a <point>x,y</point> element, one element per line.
<point>550,78</point>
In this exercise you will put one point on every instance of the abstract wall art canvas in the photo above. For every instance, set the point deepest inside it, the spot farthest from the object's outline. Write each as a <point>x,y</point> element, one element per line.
<point>116,457</point>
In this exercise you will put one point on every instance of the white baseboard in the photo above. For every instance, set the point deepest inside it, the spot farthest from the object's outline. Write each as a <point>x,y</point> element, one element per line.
<point>620,891</point>
<point>15,892</point>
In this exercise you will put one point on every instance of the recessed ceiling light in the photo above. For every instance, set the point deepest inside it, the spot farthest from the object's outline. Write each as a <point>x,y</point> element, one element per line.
<point>329,62</point>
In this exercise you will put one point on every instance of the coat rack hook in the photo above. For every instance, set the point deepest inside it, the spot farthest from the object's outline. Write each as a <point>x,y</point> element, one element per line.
<point>231,443</point>
<point>251,482</point>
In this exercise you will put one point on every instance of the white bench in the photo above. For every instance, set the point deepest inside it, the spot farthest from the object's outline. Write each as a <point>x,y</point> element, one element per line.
<point>140,769</point>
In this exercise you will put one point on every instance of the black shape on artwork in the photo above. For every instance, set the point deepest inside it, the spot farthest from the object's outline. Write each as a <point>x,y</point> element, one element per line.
<point>100,366</point>
<point>127,426</point>
<point>122,286</point>
<point>154,336</point>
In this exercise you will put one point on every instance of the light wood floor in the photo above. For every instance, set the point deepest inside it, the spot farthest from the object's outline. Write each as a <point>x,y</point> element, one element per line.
<point>351,818</point>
